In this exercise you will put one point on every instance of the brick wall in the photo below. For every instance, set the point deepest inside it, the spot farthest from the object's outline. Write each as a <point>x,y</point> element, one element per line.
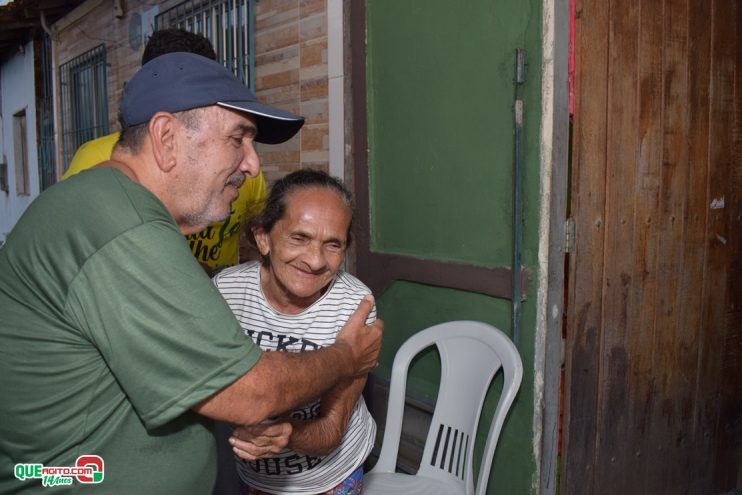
<point>290,67</point>
<point>291,73</point>
<point>100,25</point>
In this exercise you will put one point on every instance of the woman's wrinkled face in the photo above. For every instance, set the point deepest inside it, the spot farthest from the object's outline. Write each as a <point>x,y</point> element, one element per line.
<point>305,247</point>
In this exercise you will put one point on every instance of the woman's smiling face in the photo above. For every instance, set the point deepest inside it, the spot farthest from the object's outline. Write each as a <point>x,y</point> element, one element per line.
<point>305,248</point>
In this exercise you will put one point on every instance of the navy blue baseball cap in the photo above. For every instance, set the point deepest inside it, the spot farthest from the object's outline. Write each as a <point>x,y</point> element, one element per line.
<point>180,81</point>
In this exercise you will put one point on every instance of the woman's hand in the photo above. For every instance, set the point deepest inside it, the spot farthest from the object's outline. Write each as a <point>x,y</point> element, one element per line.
<point>259,441</point>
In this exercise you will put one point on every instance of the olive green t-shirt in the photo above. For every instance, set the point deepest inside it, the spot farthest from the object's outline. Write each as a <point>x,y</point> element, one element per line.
<point>110,332</point>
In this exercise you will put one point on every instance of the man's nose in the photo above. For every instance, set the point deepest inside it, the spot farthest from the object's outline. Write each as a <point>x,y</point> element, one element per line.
<point>250,165</point>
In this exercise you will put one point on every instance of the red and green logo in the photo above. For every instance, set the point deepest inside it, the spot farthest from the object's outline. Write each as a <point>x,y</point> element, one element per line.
<point>87,469</point>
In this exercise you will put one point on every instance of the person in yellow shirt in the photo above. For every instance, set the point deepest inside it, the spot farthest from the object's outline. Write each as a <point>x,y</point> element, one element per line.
<point>218,245</point>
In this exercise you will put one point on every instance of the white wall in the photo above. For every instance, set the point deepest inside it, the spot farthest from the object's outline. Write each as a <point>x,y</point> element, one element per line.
<point>17,93</point>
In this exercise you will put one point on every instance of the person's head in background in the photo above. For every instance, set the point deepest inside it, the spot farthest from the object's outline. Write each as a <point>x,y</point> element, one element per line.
<point>177,40</point>
<point>166,41</point>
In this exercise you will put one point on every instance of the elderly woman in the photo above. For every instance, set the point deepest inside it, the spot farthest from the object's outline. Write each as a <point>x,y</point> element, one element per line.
<point>296,299</point>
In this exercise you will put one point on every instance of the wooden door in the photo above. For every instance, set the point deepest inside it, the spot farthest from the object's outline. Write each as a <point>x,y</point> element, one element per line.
<point>653,387</point>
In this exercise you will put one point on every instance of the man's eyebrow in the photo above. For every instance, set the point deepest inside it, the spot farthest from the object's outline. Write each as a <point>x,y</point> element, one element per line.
<point>247,129</point>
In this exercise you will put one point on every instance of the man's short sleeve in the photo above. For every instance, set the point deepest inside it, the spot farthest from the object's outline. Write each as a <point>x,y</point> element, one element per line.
<point>163,329</point>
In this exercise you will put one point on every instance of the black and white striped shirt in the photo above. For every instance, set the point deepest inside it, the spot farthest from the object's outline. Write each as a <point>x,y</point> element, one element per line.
<point>315,327</point>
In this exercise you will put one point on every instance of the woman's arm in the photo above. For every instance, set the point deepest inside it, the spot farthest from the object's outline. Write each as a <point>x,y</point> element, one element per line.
<point>316,437</point>
<point>322,435</point>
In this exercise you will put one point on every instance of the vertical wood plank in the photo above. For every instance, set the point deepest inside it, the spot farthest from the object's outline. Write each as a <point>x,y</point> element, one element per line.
<point>671,413</point>
<point>613,427</point>
<point>693,293</point>
<point>645,280</point>
<point>723,258</point>
<point>731,382</point>
<point>587,203</point>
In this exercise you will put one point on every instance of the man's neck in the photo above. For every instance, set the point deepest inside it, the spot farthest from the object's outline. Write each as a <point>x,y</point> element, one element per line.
<point>121,167</point>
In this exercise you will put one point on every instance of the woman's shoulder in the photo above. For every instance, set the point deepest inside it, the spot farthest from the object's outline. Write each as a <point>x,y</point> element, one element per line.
<point>349,283</point>
<point>242,272</point>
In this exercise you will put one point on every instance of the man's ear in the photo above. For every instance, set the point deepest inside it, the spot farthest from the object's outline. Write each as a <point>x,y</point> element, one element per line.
<point>262,240</point>
<point>162,128</point>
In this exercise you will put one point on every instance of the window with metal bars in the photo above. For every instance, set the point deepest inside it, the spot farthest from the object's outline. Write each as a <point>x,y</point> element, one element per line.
<point>228,24</point>
<point>84,100</point>
<point>47,159</point>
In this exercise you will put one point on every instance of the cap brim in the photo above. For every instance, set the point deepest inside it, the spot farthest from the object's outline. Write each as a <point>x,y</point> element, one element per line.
<point>274,125</point>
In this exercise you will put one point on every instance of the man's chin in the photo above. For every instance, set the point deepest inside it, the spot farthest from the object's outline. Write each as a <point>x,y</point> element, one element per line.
<point>221,212</point>
<point>217,219</point>
<point>203,224</point>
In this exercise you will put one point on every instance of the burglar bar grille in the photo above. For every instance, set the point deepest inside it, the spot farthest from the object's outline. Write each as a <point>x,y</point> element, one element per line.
<point>228,24</point>
<point>47,159</point>
<point>84,100</point>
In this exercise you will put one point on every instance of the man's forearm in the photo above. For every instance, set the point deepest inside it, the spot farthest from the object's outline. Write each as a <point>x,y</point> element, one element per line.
<point>278,382</point>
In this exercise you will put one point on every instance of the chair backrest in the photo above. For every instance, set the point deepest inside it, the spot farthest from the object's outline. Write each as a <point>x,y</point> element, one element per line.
<point>471,352</point>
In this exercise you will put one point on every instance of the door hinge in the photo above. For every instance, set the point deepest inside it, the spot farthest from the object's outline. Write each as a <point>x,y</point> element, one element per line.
<point>569,235</point>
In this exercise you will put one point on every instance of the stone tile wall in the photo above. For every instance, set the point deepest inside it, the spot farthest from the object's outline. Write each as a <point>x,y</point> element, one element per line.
<point>291,73</point>
<point>100,25</point>
<point>290,67</point>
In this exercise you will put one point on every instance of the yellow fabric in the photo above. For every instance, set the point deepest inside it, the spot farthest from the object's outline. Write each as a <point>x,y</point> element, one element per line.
<point>91,153</point>
<point>216,246</point>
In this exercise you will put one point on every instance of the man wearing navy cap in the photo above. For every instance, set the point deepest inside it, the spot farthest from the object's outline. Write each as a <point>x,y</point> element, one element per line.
<point>114,363</point>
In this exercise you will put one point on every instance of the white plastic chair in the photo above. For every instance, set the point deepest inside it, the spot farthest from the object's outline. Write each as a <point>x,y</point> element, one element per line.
<point>471,352</point>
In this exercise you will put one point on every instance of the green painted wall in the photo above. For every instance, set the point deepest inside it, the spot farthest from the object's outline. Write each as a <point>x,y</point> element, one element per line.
<point>440,91</point>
